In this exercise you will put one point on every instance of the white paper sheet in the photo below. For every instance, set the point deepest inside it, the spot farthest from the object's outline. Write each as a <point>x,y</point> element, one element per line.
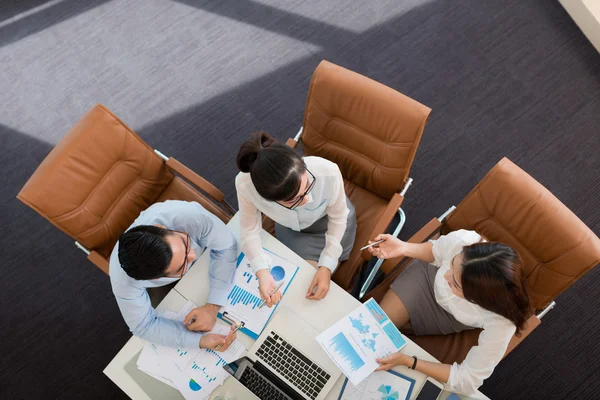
<point>380,385</point>
<point>194,372</point>
<point>244,298</point>
<point>355,341</point>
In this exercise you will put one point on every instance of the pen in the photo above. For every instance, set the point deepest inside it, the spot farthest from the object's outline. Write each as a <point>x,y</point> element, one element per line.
<point>236,328</point>
<point>372,244</point>
<point>262,303</point>
<point>192,320</point>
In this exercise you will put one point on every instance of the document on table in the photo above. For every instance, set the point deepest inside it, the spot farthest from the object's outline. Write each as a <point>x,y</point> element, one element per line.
<point>194,372</point>
<point>355,341</point>
<point>244,299</point>
<point>380,385</point>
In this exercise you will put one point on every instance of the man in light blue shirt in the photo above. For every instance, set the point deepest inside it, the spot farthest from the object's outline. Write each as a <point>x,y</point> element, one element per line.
<point>158,249</point>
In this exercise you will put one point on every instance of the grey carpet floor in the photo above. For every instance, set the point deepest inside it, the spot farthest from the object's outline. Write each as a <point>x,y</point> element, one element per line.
<point>195,78</point>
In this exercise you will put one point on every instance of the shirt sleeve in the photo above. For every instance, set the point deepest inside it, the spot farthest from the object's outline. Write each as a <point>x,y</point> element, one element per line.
<point>337,219</point>
<point>223,255</point>
<point>210,232</point>
<point>481,360</point>
<point>446,247</point>
<point>250,228</point>
<point>143,321</point>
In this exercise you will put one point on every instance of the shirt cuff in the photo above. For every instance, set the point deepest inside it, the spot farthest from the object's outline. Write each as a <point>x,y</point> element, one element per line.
<point>191,340</point>
<point>328,262</point>
<point>218,297</point>
<point>259,263</point>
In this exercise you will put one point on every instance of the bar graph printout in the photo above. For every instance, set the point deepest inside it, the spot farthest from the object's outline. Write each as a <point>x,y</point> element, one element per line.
<point>244,299</point>
<point>355,341</point>
<point>194,372</point>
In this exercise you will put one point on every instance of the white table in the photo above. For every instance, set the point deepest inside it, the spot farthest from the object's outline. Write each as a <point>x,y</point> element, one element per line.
<point>319,314</point>
<point>586,14</point>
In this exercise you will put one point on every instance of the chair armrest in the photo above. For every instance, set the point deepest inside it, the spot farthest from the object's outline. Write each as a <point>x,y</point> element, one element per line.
<point>384,221</point>
<point>421,236</point>
<point>98,260</point>
<point>532,323</point>
<point>199,182</point>
<point>292,143</point>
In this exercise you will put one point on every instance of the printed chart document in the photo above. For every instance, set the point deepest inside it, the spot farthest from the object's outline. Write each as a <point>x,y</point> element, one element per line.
<point>380,385</point>
<point>194,372</point>
<point>244,299</point>
<point>355,341</point>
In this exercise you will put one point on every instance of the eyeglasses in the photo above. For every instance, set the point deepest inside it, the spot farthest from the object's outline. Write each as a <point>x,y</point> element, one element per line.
<point>299,200</point>
<point>188,248</point>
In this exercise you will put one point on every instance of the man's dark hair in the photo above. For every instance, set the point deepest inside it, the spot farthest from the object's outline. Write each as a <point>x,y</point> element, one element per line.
<point>144,252</point>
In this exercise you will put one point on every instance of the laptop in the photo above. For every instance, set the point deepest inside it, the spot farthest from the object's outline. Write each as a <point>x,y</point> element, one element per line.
<point>286,362</point>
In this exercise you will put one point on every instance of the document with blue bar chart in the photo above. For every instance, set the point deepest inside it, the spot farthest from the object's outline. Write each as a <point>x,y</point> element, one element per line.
<point>355,341</point>
<point>244,299</point>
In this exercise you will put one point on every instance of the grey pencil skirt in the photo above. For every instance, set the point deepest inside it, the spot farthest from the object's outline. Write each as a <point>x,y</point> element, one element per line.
<point>310,242</point>
<point>415,288</point>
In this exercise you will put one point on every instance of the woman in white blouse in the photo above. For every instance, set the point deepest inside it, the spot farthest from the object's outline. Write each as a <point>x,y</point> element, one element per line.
<point>306,199</point>
<point>457,282</point>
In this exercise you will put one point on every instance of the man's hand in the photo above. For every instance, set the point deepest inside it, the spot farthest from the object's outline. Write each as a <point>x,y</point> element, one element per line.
<point>267,286</point>
<point>212,340</point>
<point>393,360</point>
<point>320,284</point>
<point>202,319</point>
<point>391,248</point>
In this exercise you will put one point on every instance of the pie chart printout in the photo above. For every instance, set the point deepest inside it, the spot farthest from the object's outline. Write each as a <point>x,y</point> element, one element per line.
<point>278,273</point>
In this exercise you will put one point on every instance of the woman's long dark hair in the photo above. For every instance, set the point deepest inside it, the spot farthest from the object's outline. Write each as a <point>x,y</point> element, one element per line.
<point>493,277</point>
<point>275,169</point>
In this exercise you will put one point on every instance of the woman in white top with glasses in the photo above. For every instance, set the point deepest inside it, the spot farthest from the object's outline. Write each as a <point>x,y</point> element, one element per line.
<point>306,199</point>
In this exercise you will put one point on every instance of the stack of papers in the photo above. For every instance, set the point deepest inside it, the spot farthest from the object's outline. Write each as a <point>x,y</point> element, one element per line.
<point>354,342</point>
<point>194,372</point>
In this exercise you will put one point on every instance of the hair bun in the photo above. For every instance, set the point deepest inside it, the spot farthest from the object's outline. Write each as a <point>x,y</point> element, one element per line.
<point>250,150</point>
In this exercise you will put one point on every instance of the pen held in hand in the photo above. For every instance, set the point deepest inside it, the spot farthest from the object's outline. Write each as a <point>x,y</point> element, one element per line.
<point>372,244</point>
<point>236,328</point>
<point>262,303</point>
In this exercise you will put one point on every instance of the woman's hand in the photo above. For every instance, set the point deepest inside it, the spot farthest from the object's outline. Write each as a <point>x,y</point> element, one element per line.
<point>320,284</point>
<point>267,287</point>
<point>391,248</point>
<point>393,360</point>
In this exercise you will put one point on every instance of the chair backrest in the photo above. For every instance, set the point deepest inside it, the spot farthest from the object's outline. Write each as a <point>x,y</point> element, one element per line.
<point>509,206</point>
<point>370,130</point>
<point>96,181</point>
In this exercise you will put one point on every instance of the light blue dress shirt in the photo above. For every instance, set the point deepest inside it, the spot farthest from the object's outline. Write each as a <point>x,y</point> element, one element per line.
<point>206,231</point>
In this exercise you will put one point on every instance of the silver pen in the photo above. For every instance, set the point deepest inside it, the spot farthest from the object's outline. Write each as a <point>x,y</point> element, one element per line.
<point>262,303</point>
<point>372,244</point>
<point>236,328</point>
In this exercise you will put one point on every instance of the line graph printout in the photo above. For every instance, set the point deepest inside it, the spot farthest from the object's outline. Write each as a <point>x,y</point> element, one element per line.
<point>244,299</point>
<point>355,341</point>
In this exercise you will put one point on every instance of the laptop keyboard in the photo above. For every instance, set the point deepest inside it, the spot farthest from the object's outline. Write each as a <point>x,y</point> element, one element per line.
<point>261,387</point>
<point>298,369</point>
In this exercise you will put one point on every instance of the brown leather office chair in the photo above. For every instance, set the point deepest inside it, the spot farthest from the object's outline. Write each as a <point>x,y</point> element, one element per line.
<point>372,133</point>
<point>101,176</point>
<point>509,206</point>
